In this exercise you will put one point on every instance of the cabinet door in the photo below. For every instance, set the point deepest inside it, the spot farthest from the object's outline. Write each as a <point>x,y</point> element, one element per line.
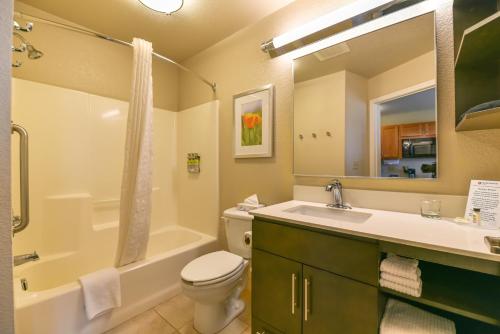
<point>276,291</point>
<point>390,142</point>
<point>411,130</point>
<point>335,304</point>
<point>430,129</point>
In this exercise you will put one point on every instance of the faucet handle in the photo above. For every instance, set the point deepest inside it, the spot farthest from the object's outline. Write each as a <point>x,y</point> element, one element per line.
<point>335,183</point>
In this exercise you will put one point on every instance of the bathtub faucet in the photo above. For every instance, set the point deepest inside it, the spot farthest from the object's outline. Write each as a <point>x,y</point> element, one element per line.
<point>21,259</point>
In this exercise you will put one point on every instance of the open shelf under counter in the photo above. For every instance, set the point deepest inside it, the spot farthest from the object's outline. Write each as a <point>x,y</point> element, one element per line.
<point>458,291</point>
<point>480,120</point>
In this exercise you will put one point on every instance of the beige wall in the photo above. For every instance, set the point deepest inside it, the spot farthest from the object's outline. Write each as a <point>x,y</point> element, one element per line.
<point>417,70</point>
<point>408,117</point>
<point>237,64</point>
<point>88,64</point>
<point>320,106</point>
<point>334,103</point>
<point>357,161</point>
<point>6,294</point>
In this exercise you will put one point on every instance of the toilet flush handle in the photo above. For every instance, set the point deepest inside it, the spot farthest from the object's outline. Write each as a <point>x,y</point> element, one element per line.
<point>247,238</point>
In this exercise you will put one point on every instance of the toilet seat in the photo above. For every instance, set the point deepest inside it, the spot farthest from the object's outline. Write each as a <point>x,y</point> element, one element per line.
<point>212,268</point>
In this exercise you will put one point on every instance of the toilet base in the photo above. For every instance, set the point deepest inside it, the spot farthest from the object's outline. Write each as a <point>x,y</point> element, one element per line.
<point>211,318</point>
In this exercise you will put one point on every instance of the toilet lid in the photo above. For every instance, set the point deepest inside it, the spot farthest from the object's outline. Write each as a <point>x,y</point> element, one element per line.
<point>211,266</point>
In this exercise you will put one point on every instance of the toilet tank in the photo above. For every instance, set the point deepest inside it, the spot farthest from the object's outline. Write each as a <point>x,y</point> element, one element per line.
<point>238,225</point>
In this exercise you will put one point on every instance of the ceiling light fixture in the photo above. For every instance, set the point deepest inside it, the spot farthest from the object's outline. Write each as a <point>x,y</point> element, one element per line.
<point>357,16</point>
<point>163,6</point>
<point>325,21</point>
<point>402,15</point>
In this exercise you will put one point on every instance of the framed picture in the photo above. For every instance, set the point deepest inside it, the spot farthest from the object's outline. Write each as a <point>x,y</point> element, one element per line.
<point>253,123</point>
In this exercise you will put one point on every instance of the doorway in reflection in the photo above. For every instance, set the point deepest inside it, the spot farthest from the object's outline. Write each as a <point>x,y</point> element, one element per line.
<point>408,135</point>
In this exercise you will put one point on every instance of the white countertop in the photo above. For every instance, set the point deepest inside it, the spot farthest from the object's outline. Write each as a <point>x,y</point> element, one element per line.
<point>403,228</point>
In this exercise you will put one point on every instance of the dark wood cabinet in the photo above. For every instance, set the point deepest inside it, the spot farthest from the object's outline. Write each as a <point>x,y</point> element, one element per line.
<point>312,283</point>
<point>276,291</point>
<point>337,304</point>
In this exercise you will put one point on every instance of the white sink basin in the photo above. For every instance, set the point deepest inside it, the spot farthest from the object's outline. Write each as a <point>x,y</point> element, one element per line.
<point>330,213</point>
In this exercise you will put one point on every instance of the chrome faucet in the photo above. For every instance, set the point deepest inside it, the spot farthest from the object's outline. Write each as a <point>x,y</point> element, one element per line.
<point>21,259</point>
<point>336,188</point>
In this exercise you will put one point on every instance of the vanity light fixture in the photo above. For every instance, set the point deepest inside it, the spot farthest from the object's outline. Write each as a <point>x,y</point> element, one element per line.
<point>163,6</point>
<point>347,22</point>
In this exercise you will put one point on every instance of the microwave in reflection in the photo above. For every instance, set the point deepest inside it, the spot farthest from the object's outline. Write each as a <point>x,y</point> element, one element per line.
<point>419,148</point>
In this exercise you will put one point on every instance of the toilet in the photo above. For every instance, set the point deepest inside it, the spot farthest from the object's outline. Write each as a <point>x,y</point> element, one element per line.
<point>215,280</point>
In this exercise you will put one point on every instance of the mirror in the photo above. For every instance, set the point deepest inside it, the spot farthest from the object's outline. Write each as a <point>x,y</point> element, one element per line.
<point>367,107</point>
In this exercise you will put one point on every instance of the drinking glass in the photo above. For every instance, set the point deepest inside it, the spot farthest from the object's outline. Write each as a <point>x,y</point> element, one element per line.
<point>430,209</point>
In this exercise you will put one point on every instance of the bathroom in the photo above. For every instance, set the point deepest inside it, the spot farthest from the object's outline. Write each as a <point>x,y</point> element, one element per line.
<point>70,90</point>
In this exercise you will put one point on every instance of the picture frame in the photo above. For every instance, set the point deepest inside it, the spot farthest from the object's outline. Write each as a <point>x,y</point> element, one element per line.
<point>253,119</point>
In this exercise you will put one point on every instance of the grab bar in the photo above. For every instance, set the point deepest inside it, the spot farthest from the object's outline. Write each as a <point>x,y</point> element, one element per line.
<point>20,222</point>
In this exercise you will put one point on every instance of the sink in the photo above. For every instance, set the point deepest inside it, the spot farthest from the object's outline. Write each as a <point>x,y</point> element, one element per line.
<point>330,213</point>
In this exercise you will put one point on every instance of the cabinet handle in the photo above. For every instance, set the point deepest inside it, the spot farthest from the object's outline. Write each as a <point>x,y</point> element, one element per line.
<point>294,301</point>
<point>263,332</point>
<point>307,284</point>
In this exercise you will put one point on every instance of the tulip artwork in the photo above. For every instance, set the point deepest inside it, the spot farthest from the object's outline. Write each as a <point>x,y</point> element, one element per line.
<point>253,112</point>
<point>251,123</point>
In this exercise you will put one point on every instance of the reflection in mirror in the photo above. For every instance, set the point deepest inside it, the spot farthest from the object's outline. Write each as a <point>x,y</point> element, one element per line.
<point>367,107</point>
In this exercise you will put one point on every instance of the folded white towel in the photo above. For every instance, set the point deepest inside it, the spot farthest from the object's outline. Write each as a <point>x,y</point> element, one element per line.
<point>401,266</point>
<point>400,318</point>
<point>401,288</point>
<point>101,291</point>
<point>411,283</point>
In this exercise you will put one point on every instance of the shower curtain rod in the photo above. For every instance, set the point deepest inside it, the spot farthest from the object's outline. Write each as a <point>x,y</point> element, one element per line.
<point>111,39</point>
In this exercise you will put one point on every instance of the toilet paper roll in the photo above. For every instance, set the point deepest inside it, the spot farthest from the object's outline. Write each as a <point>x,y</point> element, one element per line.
<point>247,239</point>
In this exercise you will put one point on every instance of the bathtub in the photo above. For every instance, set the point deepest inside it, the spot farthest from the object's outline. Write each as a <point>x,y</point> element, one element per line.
<point>53,302</point>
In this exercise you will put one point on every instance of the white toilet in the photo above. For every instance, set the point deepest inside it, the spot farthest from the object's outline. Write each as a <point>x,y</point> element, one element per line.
<point>215,280</point>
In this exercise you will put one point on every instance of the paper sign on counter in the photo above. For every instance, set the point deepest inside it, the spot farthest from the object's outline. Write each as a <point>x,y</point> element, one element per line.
<point>484,195</point>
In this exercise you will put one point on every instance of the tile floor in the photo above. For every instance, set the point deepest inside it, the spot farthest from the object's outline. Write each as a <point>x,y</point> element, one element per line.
<point>175,316</point>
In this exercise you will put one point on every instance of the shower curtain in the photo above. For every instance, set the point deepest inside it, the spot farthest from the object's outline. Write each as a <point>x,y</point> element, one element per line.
<point>136,192</point>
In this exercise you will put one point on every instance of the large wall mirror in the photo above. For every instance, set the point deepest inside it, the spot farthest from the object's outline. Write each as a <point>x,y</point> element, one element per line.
<point>367,107</point>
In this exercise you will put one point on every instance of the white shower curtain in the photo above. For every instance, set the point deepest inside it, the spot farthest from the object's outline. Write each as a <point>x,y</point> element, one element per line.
<point>135,203</point>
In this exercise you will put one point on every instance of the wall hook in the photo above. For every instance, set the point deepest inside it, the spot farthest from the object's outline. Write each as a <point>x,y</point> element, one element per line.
<point>314,135</point>
<point>328,133</point>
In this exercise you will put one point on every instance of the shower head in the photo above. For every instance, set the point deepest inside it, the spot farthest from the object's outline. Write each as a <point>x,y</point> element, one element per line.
<point>33,53</point>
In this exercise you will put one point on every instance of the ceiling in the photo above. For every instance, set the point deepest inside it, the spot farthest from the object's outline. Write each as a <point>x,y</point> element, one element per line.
<point>373,53</point>
<point>198,25</point>
<point>424,100</point>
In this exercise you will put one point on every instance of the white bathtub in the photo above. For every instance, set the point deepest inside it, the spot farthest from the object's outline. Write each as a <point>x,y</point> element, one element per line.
<point>53,303</point>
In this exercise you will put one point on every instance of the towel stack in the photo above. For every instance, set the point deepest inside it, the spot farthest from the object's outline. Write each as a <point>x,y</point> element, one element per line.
<point>400,318</point>
<point>402,275</point>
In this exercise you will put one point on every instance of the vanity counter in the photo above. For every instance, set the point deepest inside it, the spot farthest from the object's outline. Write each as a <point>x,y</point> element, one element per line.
<point>442,235</point>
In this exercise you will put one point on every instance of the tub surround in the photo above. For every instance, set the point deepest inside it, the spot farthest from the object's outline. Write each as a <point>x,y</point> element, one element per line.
<point>64,300</point>
<point>75,204</point>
